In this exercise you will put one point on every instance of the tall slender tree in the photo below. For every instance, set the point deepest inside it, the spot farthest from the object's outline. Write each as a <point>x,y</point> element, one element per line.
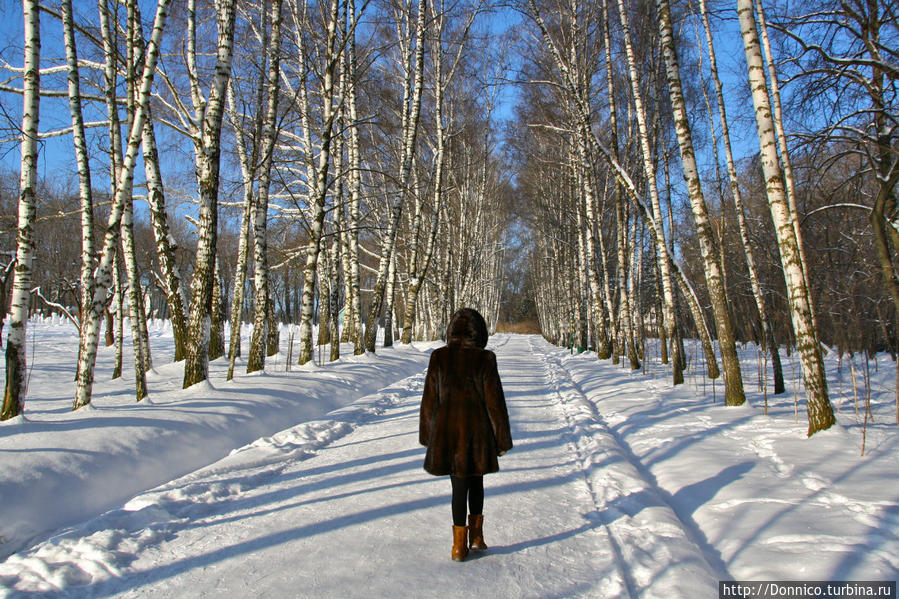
<point>733,378</point>
<point>820,411</point>
<point>353,313</point>
<point>16,361</point>
<point>331,60</point>
<point>87,359</point>
<point>621,220</point>
<point>88,258</point>
<point>421,254</point>
<point>758,295</point>
<point>413,83</point>
<point>256,358</point>
<point>206,131</point>
<point>171,280</point>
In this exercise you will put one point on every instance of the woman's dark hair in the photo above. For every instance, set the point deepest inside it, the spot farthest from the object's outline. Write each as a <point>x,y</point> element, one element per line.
<point>467,327</point>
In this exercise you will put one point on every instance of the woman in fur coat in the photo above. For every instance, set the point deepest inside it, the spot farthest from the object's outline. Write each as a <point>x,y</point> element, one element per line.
<point>464,423</point>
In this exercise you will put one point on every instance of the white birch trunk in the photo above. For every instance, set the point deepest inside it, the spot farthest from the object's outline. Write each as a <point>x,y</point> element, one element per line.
<point>419,267</point>
<point>411,113</point>
<point>84,177</point>
<point>217,316</point>
<point>81,156</point>
<point>650,174</point>
<point>135,300</point>
<point>733,378</point>
<point>320,191</point>
<point>332,256</point>
<point>786,164</point>
<point>647,161</point>
<point>134,44</point>
<point>603,345</point>
<point>820,411</point>
<point>324,294</point>
<point>119,299</point>
<point>165,244</point>
<point>625,282</point>
<point>584,296</point>
<point>334,299</point>
<point>256,358</point>
<point>207,152</point>
<point>767,331</point>
<point>621,220</point>
<point>274,332</point>
<point>85,376</point>
<point>353,312</point>
<point>247,169</point>
<point>389,297</point>
<point>137,318</point>
<point>16,361</point>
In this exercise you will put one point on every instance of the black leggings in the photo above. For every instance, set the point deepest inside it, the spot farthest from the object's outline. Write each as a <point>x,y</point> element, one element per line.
<point>470,488</point>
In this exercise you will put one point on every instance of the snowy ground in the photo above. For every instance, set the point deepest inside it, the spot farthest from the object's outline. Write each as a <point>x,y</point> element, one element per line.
<point>618,485</point>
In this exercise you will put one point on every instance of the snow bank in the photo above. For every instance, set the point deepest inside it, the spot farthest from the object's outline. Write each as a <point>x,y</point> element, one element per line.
<point>763,500</point>
<point>61,467</point>
<point>619,483</point>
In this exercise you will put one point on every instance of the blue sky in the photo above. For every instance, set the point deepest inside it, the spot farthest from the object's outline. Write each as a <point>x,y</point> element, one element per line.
<point>57,155</point>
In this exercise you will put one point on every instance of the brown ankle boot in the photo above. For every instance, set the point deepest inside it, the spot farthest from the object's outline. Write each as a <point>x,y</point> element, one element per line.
<point>476,532</point>
<point>460,545</point>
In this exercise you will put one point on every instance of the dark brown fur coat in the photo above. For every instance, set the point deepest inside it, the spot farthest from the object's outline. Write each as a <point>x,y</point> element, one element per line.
<point>464,422</point>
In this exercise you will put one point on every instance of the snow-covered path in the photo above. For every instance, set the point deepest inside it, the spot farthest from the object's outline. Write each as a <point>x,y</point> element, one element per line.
<point>341,508</point>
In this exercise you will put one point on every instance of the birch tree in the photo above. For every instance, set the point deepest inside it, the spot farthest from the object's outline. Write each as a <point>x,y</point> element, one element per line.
<point>84,173</point>
<point>256,358</point>
<point>140,334</point>
<point>331,58</point>
<point>331,254</point>
<point>571,63</point>
<point>353,313</point>
<point>248,162</point>
<point>820,411</point>
<point>768,339</point>
<point>412,49</point>
<point>648,166</point>
<point>217,314</point>
<point>92,321</point>
<point>786,164</point>
<point>109,34</point>
<point>846,66</point>
<point>165,244</point>
<point>421,254</point>
<point>135,301</point>
<point>621,220</point>
<point>668,316</point>
<point>733,379</point>
<point>16,360</point>
<point>205,127</point>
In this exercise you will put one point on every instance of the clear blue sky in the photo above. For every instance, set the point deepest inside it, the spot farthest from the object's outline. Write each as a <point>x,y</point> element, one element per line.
<point>57,157</point>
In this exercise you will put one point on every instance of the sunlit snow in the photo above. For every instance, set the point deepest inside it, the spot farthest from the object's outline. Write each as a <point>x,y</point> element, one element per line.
<point>307,482</point>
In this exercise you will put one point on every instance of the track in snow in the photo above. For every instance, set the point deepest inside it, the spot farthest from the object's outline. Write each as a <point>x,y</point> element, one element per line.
<point>341,508</point>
